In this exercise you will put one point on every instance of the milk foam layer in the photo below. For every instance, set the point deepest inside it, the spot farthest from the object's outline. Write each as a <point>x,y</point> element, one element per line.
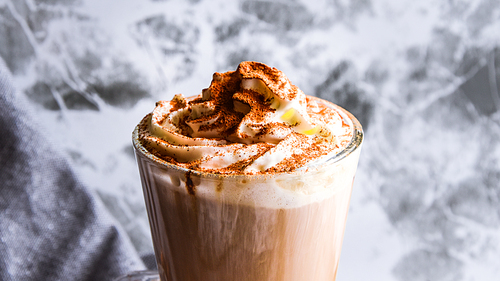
<point>249,121</point>
<point>277,191</point>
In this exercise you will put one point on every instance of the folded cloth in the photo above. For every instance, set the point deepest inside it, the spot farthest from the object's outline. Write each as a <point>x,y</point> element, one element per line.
<point>51,226</point>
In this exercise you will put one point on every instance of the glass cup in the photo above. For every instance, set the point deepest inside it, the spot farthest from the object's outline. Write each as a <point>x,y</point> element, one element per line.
<point>284,226</point>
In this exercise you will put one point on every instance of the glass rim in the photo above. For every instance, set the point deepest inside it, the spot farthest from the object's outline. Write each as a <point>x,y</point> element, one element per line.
<point>354,144</point>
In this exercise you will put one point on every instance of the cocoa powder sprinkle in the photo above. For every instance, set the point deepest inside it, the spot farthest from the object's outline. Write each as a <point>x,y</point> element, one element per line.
<point>242,122</point>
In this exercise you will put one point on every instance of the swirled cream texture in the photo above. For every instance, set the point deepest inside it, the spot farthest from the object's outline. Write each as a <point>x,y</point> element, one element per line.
<point>248,121</point>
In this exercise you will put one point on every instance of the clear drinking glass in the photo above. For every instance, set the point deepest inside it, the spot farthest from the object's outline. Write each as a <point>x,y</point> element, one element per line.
<point>284,226</point>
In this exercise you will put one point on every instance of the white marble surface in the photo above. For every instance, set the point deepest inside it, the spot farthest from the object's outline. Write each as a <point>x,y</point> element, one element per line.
<point>422,76</point>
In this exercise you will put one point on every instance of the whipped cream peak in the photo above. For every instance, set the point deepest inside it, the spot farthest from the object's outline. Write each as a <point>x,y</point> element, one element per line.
<point>252,120</point>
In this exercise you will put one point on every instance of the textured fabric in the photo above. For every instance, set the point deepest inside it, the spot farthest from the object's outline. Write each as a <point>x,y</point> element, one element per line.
<point>51,226</point>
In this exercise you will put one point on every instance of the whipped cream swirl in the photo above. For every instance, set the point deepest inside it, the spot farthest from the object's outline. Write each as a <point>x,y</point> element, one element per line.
<point>249,121</point>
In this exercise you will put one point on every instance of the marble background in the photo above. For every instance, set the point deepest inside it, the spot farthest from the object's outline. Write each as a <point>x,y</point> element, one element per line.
<point>423,77</point>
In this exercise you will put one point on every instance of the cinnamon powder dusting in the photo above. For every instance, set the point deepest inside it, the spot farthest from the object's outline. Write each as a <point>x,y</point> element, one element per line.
<point>230,126</point>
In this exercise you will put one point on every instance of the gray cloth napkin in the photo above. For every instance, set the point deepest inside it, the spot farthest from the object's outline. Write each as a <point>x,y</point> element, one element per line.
<point>51,226</point>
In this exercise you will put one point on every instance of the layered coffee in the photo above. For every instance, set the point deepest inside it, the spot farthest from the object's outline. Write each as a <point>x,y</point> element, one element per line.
<point>250,180</point>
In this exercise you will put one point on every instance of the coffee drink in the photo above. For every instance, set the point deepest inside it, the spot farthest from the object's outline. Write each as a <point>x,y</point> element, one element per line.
<point>251,180</point>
